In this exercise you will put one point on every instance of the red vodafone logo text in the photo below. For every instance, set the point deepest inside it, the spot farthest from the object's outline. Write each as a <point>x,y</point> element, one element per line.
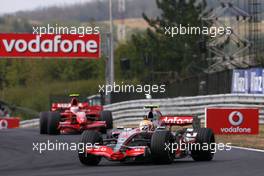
<point>232,121</point>
<point>50,45</point>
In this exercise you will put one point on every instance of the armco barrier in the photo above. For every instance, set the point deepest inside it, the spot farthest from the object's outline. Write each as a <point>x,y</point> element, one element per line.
<point>29,123</point>
<point>131,112</point>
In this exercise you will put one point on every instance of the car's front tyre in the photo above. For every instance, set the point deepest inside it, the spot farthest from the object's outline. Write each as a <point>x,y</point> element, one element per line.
<point>160,152</point>
<point>90,138</point>
<point>43,122</point>
<point>53,123</point>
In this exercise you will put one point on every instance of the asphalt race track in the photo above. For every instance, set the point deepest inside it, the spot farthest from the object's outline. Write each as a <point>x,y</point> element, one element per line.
<point>18,158</point>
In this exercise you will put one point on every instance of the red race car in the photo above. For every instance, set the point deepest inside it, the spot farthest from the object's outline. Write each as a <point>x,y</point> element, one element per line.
<point>75,117</point>
<point>154,141</point>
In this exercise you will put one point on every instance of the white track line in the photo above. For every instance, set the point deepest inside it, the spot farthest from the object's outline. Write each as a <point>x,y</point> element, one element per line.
<point>250,149</point>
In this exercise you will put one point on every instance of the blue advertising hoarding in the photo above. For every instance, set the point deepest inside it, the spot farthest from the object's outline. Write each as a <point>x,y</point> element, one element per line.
<point>248,81</point>
<point>256,80</point>
<point>240,81</point>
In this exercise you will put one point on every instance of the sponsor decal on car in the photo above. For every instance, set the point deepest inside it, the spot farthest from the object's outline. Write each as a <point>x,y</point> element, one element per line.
<point>177,120</point>
<point>232,120</point>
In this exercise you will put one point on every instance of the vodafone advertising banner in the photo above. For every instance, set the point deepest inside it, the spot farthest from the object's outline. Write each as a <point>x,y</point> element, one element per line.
<point>50,45</point>
<point>233,120</point>
<point>9,123</point>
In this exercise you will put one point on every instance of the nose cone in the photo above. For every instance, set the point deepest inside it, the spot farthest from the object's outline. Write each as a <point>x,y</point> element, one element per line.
<point>81,118</point>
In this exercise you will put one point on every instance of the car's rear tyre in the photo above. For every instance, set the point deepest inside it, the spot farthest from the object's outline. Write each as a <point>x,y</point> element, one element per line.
<point>161,154</point>
<point>88,138</point>
<point>108,118</point>
<point>43,122</point>
<point>53,123</point>
<point>205,136</point>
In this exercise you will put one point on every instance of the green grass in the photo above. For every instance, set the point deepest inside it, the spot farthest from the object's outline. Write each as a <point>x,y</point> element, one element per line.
<point>37,97</point>
<point>253,141</point>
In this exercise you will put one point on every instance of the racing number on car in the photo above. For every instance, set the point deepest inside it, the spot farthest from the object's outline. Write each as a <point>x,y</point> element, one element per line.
<point>100,149</point>
<point>103,149</point>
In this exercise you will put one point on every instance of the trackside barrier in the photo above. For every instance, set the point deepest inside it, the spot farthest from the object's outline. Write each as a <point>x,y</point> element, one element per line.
<point>29,123</point>
<point>129,113</point>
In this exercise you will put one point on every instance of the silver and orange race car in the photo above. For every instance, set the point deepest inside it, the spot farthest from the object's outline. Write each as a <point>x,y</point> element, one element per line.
<point>155,141</point>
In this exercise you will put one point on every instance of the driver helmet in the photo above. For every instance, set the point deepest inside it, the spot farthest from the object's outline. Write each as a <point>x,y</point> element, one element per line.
<point>145,125</point>
<point>74,109</point>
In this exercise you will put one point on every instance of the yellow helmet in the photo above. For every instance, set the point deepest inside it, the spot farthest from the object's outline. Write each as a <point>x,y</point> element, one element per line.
<point>145,125</point>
